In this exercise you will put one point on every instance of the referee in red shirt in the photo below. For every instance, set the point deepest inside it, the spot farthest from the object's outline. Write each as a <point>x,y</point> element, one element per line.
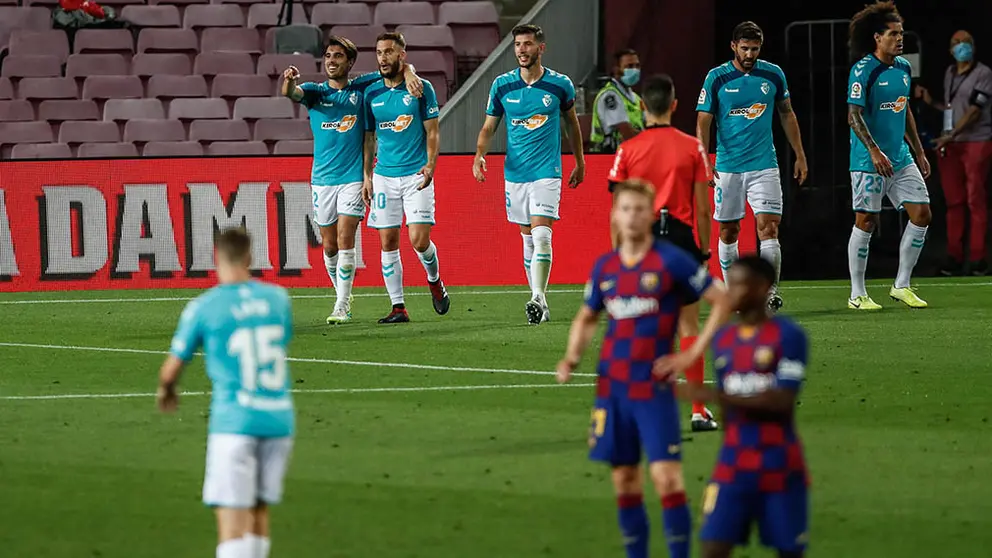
<point>678,167</point>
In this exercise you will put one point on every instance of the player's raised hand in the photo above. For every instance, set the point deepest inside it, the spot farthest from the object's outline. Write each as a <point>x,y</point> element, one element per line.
<point>414,85</point>
<point>924,164</point>
<point>167,399</point>
<point>292,73</point>
<point>428,173</point>
<point>578,175</point>
<point>479,169</point>
<point>564,371</point>
<point>883,165</point>
<point>802,170</point>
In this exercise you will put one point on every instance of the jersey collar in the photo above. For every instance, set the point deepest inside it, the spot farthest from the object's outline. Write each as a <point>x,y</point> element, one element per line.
<point>544,73</point>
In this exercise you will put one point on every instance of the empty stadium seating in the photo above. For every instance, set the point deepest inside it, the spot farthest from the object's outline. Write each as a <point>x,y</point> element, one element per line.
<point>200,77</point>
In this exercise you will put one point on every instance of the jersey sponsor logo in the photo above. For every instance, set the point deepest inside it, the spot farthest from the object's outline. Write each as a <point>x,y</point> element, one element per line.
<point>630,307</point>
<point>896,106</point>
<point>346,123</point>
<point>747,383</point>
<point>729,90</point>
<point>702,96</point>
<point>856,90</point>
<point>401,123</point>
<point>751,113</point>
<point>433,110</point>
<point>530,123</point>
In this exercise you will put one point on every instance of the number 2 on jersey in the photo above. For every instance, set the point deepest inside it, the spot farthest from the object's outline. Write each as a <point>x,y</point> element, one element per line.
<point>261,356</point>
<point>872,183</point>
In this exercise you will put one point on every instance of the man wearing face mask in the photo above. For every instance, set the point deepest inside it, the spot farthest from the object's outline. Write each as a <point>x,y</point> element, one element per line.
<point>966,154</point>
<point>617,114</point>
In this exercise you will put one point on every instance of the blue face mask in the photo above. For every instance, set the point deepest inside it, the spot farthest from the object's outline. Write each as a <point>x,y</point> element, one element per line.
<point>631,76</point>
<point>963,52</point>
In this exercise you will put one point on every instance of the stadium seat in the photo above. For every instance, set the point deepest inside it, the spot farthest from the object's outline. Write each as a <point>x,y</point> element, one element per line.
<point>85,65</point>
<point>41,151</point>
<point>74,133</point>
<point>362,35</point>
<point>366,64</point>
<point>431,37</point>
<point>172,149</point>
<point>431,64</point>
<point>276,64</point>
<point>264,16</point>
<point>35,43</point>
<point>394,14</point>
<point>120,4</point>
<point>254,108</point>
<point>16,111</point>
<point>120,110</point>
<point>104,41</point>
<point>6,88</point>
<point>144,130</point>
<point>113,87</point>
<point>213,63</point>
<point>225,39</point>
<point>160,64</point>
<point>173,87</point>
<point>271,130</point>
<point>106,150</point>
<point>326,15</point>
<point>25,132</point>
<point>199,109</point>
<point>224,148</point>
<point>22,66</point>
<point>55,111</point>
<point>198,16</point>
<point>293,39</point>
<point>245,2</point>
<point>154,41</point>
<point>34,18</point>
<point>151,16</point>
<point>179,3</point>
<point>232,86</point>
<point>293,147</point>
<point>8,2</point>
<point>475,26</point>
<point>219,130</point>
<point>36,89</point>
<point>49,3</point>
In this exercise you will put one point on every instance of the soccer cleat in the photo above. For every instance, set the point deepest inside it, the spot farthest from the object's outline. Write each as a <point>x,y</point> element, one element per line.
<point>774,300</point>
<point>546,316</point>
<point>397,316</point>
<point>979,268</point>
<point>341,315</point>
<point>535,311</point>
<point>704,422</point>
<point>439,296</point>
<point>863,302</point>
<point>907,296</point>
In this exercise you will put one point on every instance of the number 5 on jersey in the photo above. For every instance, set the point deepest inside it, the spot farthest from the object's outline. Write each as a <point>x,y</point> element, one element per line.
<point>261,356</point>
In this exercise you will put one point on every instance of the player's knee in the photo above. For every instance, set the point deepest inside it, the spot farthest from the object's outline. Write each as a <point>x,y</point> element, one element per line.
<point>346,239</point>
<point>767,229</point>
<point>420,240</point>
<point>667,477</point>
<point>626,480</point>
<point>330,245</point>
<point>922,217</point>
<point>866,221</point>
<point>729,232</point>
<point>542,238</point>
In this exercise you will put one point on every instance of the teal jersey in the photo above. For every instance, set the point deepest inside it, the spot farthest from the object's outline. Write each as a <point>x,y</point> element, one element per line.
<point>244,329</point>
<point>337,122</point>
<point>883,92</point>
<point>533,122</point>
<point>742,106</point>
<point>397,118</point>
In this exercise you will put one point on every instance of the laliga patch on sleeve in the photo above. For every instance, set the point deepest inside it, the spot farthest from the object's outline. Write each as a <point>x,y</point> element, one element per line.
<point>856,90</point>
<point>702,96</point>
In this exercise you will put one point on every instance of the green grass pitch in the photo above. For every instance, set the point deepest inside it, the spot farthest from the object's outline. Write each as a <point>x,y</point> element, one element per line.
<point>466,448</point>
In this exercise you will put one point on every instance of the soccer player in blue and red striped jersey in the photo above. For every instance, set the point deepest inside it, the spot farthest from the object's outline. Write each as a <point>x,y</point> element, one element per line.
<point>760,475</point>
<point>643,286</point>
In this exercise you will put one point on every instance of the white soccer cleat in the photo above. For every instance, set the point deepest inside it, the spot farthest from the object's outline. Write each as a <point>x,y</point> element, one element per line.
<point>536,310</point>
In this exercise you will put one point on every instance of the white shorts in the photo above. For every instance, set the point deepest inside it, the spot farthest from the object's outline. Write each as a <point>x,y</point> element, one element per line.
<point>392,197</point>
<point>331,201</point>
<point>763,190</point>
<point>905,186</point>
<point>243,470</point>
<point>540,198</point>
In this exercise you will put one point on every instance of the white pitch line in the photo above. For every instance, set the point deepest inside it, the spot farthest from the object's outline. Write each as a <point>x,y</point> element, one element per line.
<point>310,360</point>
<point>298,391</point>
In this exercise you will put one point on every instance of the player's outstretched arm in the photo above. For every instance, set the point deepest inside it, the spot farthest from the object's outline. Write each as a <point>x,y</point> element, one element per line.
<point>856,120</point>
<point>913,137</point>
<point>716,295</point>
<point>579,336</point>
<point>168,377</point>
<point>289,86</point>
<point>790,124</point>
<point>704,129</point>
<point>574,132</point>
<point>482,146</point>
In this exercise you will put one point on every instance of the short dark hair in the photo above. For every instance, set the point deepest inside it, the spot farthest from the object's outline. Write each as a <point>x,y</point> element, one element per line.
<point>350,50</point>
<point>658,94</point>
<point>875,18</point>
<point>529,29</point>
<point>618,55</point>
<point>234,244</point>
<point>748,31</point>
<point>393,36</point>
<point>757,267</point>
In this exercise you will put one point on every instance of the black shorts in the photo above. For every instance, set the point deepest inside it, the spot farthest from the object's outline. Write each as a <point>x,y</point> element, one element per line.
<point>679,234</point>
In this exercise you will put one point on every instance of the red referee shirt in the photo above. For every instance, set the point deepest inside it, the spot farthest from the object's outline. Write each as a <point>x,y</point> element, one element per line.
<point>670,160</point>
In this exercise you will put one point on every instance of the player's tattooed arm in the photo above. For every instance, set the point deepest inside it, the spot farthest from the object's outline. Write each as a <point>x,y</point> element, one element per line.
<point>856,120</point>
<point>791,126</point>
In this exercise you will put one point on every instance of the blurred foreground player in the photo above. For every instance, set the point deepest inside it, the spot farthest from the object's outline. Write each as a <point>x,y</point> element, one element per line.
<point>760,475</point>
<point>643,287</point>
<point>677,165</point>
<point>243,326</point>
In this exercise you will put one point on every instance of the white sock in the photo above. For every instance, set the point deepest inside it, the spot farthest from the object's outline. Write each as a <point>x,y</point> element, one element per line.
<point>346,275</point>
<point>857,260</point>
<point>909,253</point>
<point>392,274</point>
<point>259,545</point>
<point>235,548</point>
<point>528,256</point>
<point>771,250</point>
<point>728,255</point>
<point>540,269</point>
<point>429,258</point>
<point>331,263</point>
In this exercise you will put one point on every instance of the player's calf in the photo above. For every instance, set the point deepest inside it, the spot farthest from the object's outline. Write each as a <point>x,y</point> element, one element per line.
<point>233,527</point>
<point>670,485</point>
<point>631,516</point>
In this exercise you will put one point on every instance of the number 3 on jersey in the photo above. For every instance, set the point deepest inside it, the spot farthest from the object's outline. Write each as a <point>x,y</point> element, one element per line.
<point>261,355</point>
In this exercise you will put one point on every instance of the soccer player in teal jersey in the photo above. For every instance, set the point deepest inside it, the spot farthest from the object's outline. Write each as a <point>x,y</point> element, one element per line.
<point>534,99</point>
<point>403,132</point>
<point>337,120</point>
<point>244,327</point>
<point>881,165</point>
<point>738,96</point>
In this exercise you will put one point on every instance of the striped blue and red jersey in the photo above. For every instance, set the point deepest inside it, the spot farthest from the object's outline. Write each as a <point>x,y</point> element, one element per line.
<point>760,451</point>
<point>643,302</point>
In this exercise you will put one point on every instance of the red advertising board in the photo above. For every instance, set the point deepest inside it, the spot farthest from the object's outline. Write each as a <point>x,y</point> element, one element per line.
<point>149,223</point>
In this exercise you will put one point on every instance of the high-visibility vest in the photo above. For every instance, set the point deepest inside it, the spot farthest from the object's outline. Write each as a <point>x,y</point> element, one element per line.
<point>635,116</point>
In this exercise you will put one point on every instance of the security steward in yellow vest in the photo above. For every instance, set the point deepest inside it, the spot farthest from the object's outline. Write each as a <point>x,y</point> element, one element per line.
<point>617,113</point>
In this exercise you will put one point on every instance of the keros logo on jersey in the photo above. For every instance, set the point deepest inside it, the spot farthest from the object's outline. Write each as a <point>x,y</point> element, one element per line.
<point>896,106</point>
<point>398,125</point>
<point>530,123</point>
<point>752,112</point>
<point>342,126</point>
